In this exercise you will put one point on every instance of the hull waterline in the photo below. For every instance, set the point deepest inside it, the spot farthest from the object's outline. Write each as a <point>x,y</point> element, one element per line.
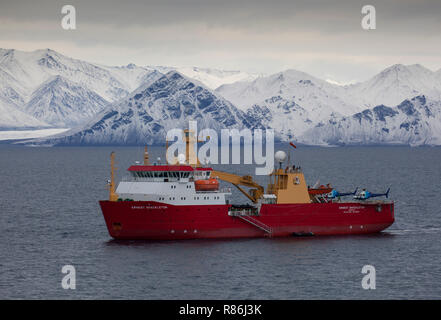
<point>161,221</point>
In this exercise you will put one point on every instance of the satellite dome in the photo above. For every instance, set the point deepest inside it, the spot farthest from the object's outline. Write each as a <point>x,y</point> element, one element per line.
<point>181,158</point>
<point>280,156</point>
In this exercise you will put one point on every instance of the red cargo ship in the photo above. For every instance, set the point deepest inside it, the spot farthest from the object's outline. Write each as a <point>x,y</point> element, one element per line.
<point>167,202</point>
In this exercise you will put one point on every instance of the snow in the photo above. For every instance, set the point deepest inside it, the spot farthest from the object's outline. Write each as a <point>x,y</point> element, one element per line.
<point>31,69</point>
<point>396,83</point>
<point>147,114</point>
<point>11,118</point>
<point>211,78</point>
<point>312,94</point>
<point>29,134</point>
<point>413,122</point>
<point>214,78</point>
<point>27,84</point>
<point>24,79</point>
<point>61,102</point>
<point>131,76</point>
<point>296,104</point>
<point>118,104</point>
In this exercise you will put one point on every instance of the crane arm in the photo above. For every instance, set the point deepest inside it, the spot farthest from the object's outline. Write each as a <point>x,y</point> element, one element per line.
<point>254,194</point>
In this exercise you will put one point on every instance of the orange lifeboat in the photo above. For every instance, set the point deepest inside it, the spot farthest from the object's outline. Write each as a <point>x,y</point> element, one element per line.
<point>207,185</point>
<point>320,190</point>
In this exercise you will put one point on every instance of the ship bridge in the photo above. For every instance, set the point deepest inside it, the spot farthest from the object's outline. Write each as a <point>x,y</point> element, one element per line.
<point>173,184</point>
<point>167,173</point>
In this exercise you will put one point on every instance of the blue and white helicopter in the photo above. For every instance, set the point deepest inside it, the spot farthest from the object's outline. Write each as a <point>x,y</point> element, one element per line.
<point>335,194</point>
<point>365,194</point>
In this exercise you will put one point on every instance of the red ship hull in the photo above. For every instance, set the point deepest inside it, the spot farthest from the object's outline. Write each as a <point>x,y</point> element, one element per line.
<point>155,220</point>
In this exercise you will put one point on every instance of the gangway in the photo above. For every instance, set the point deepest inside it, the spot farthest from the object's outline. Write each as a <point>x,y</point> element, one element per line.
<point>247,216</point>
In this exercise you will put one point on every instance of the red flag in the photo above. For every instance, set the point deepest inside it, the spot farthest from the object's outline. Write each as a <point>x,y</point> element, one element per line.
<point>293,145</point>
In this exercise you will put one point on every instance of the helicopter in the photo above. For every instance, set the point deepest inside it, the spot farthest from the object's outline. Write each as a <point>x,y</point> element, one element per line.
<point>365,194</point>
<point>335,194</point>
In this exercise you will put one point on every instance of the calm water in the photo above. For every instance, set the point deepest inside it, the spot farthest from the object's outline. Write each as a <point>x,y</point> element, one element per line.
<point>49,217</point>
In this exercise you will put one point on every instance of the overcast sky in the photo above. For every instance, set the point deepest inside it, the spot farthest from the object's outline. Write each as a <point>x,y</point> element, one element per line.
<point>323,38</point>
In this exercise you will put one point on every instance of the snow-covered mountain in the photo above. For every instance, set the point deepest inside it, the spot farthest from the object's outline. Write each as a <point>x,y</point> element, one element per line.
<point>27,81</point>
<point>294,102</point>
<point>415,121</point>
<point>290,101</point>
<point>395,84</point>
<point>23,74</point>
<point>318,97</point>
<point>61,102</point>
<point>31,69</point>
<point>438,74</point>
<point>131,75</point>
<point>147,114</point>
<point>137,104</point>
<point>211,78</point>
<point>12,118</point>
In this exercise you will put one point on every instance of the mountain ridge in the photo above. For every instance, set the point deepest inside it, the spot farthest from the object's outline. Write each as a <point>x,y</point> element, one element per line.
<point>146,115</point>
<point>45,88</point>
<point>413,122</point>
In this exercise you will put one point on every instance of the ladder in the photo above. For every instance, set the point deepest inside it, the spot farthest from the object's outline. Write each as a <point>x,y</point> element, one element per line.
<point>256,223</point>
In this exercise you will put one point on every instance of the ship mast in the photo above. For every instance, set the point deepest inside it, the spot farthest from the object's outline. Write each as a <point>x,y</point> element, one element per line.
<point>112,194</point>
<point>146,157</point>
<point>190,148</point>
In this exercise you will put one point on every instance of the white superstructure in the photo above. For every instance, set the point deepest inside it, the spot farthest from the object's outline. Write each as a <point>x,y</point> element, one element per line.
<point>172,184</point>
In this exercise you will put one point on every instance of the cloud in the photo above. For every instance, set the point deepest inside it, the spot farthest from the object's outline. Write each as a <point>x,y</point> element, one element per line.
<point>320,37</point>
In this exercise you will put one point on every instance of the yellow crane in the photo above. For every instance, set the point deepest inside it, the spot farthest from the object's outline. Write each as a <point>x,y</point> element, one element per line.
<point>253,194</point>
<point>191,158</point>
